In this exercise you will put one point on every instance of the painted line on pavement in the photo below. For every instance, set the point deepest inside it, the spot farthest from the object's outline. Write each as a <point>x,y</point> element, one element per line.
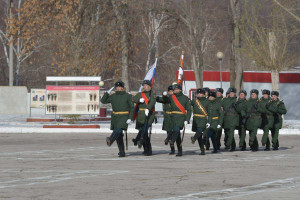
<point>242,191</point>
<point>61,176</point>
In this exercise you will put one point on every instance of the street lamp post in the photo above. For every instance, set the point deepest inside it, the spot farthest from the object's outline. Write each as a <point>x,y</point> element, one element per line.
<point>220,57</point>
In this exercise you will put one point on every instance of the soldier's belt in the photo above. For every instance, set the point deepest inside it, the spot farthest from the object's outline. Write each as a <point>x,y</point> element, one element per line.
<point>142,109</point>
<point>168,112</point>
<point>177,112</point>
<point>198,115</point>
<point>215,118</point>
<point>121,113</point>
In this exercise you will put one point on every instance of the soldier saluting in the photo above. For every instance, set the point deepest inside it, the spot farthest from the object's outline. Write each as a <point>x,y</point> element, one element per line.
<point>181,114</point>
<point>278,109</point>
<point>199,105</point>
<point>167,124</point>
<point>122,114</point>
<point>145,116</point>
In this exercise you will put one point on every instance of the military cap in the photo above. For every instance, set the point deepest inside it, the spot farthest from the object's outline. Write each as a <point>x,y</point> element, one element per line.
<point>147,82</point>
<point>119,84</point>
<point>266,92</point>
<point>232,89</point>
<point>170,87</point>
<point>243,91</point>
<point>254,91</point>
<point>200,91</point>
<point>177,86</point>
<point>220,90</point>
<point>276,93</point>
<point>212,94</point>
<point>206,89</point>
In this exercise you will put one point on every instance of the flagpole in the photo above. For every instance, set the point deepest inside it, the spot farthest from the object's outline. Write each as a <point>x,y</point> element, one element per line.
<point>183,71</point>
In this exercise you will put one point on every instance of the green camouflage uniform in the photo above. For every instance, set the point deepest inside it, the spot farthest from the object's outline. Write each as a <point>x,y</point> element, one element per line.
<point>278,109</point>
<point>242,129</point>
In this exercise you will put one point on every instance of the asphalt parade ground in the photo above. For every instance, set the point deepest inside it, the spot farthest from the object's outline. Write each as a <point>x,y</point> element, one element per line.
<point>81,166</point>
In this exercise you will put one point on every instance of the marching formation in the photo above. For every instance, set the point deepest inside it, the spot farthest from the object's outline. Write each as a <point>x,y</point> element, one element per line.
<point>211,113</point>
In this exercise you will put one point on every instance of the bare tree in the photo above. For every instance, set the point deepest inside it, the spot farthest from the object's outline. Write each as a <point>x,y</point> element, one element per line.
<point>266,38</point>
<point>199,34</point>
<point>236,68</point>
<point>120,9</point>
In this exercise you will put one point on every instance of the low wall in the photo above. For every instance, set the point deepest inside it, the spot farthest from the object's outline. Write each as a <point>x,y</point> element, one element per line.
<point>13,100</point>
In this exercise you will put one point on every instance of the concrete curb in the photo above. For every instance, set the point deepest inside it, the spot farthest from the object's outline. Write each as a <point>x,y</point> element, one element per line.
<point>21,130</point>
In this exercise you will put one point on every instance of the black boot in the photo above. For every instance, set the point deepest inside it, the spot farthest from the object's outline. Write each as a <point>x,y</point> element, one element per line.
<point>169,135</point>
<point>179,151</point>
<point>108,142</point>
<point>179,147</point>
<point>202,149</point>
<point>172,150</point>
<point>175,135</point>
<point>196,136</point>
<point>193,140</point>
<point>149,147</point>
<point>121,147</point>
<point>134,141</point>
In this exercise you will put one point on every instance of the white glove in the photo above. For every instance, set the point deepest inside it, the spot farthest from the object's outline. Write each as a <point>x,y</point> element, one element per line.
<point>207,125</point>
<point>165,93</point>
<point>142,100</point>
<point>109,91</point>
<point>185,123</point>
<point>147,112</point>
<point>128,121</point>
<point>219,126</point>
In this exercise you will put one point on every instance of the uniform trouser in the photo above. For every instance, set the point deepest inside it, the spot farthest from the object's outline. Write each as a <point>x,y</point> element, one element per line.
<point>198,136</point>
<point>115,134</point>
<point>120,143</point>
<point>218,138</point>
<point>206,141</point>
<point>275,135</point>
<point>242,135</point>
<point>230,137</point>
<point>265,138</point>
<point>169,135</point>
<point>176,137</point>
<point>253,139</point>
<point>225,136</point>
<point>144,139</point>
<point>212,134</point>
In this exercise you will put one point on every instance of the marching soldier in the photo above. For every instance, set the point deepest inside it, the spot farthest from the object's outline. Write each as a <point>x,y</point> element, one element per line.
<point>267,119</point>
<point>278,109</point>
<point>231,118</point>
<point>167,124</point>
<point>199,105</point>
<point>122,114</point>
<point>252,119</point>
<point>215,119</point>
<point>145,116</point>
<point>206,142</point>
<point>219,93</point>
<point>207,90</point>
<point>240,104</point>
<point>181,114</point>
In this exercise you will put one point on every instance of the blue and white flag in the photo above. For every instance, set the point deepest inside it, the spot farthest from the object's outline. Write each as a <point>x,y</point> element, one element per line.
<point>150,74</point>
